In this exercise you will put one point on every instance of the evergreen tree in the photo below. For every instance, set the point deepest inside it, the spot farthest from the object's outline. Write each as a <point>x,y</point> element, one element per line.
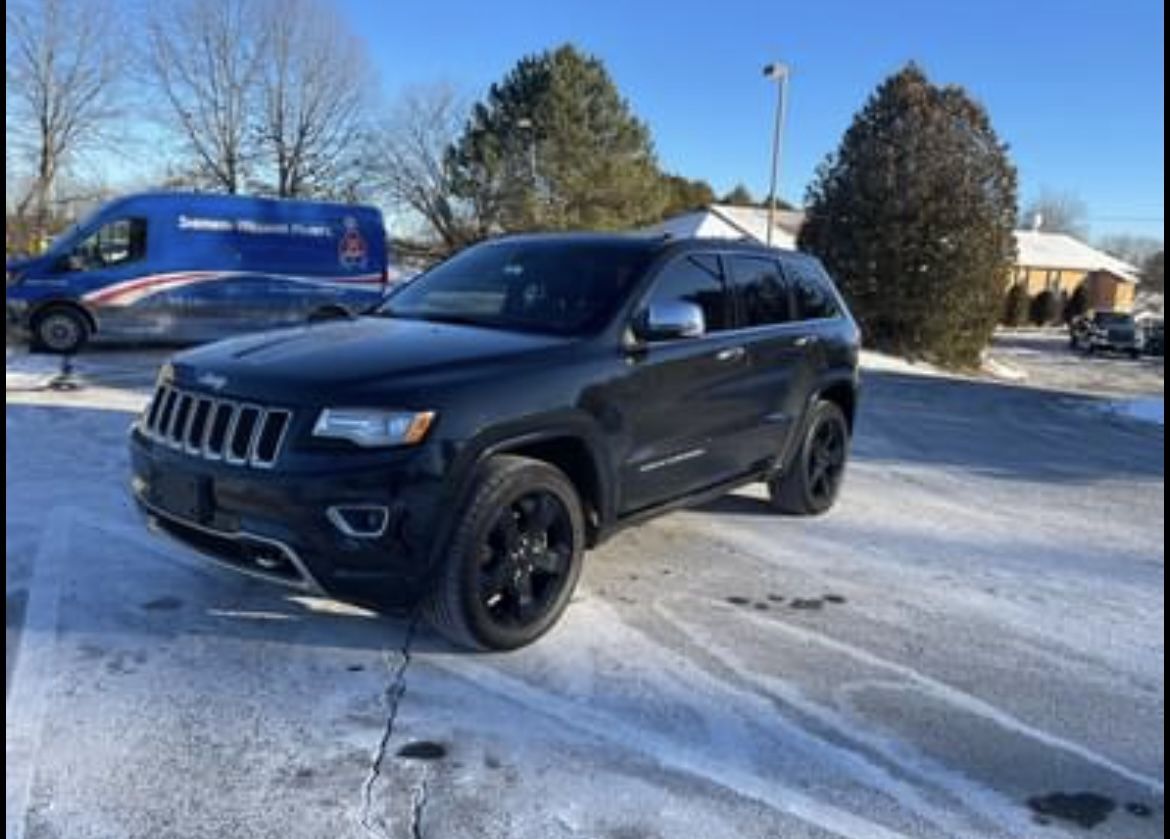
<point>1016,306</point>
<point>1078,304</point>
<point>1046,308</point>
<point>740,196</point>
<point>914,215</point>
<point>684,195</point>
<point>555,146</point>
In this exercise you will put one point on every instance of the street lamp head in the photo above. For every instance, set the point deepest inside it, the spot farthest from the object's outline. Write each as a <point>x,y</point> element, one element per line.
<point>524,123</point>
<point>775,70</point>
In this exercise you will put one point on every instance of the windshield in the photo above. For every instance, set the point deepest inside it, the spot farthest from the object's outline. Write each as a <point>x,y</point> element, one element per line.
<point>1114,319</point>
<point>566,288</point>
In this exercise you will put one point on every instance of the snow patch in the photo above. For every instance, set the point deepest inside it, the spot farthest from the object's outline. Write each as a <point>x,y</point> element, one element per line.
<point>882,363</point>
<point>1150,409</point>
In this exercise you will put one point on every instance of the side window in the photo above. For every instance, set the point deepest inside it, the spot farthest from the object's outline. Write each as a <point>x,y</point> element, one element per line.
<point>114,243</point>
<point>696,279</point>
<point>814,300</point>
<point>763,294</point>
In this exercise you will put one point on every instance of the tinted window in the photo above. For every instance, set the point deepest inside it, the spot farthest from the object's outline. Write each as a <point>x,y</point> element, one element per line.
<point>696,279</point>
<point>115,243</point>
<point>762,292</point>
<point>813,298</point>
<point>537,286</point>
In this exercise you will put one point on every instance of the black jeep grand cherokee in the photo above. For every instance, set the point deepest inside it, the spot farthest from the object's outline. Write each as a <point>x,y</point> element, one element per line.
<point>463,444</point>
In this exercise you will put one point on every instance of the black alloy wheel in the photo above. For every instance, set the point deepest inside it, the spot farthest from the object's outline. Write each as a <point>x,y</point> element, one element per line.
<point>512,563</point>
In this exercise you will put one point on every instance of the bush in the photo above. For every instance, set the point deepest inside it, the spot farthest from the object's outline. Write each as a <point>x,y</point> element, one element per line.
<point>1016,306</point>
<point>1078,304</point>
<point>1046,308</point>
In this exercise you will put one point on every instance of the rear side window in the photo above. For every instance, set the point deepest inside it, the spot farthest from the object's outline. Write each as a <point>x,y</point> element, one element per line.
<point>814,299</point>
<point>696,279</point>
<point>763,294</point>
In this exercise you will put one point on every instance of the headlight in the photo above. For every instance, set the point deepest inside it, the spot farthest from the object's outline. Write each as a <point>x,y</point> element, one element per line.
<point>373,428</point>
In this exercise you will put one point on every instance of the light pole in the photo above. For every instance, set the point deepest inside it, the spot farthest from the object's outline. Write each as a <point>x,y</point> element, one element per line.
<point>778,72</point>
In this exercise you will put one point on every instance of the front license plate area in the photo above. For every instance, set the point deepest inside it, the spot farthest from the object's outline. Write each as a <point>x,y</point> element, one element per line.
<point>185,496</point>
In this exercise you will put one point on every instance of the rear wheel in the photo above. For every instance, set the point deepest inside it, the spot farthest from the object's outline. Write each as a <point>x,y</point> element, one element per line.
<point>514,559</point>
<point>812,481</point>
<point>62,330</point>
<point>326,313</point>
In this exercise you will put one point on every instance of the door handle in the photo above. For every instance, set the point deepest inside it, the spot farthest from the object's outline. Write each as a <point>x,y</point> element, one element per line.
<point>730,354</point>
<point>805,341</point>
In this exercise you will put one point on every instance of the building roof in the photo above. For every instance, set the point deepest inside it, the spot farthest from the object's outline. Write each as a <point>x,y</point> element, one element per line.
<point>724,221</point>
<point>1038,249</point>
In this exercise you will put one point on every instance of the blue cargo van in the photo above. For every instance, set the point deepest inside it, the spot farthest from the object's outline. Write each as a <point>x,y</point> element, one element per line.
<point>177,267</point>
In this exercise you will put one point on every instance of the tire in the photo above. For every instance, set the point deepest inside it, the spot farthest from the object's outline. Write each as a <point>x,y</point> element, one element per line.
<point>809,486</point>
<point>478,599</point>
<point>327,313</point>
<point>60,330</point>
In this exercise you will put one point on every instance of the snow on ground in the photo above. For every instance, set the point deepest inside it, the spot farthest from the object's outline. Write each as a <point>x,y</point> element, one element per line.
<point>979,625</point>
<point>872,360</point>
<point>1145,410</point>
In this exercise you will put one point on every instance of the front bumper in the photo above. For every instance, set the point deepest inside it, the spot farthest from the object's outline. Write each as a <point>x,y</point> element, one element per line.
<point>275,524</point>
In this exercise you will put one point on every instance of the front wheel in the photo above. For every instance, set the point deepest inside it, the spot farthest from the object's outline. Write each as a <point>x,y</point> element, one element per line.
<point>60,329</point>
<point>810,484</point>
<point>514,559</point>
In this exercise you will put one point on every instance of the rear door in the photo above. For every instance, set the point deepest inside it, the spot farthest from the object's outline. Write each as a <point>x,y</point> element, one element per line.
<point>685,401</point>
<point>779,348</point>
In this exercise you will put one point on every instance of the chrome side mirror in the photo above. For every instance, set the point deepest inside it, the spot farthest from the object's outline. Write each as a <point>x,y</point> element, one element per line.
<point>670,320</point>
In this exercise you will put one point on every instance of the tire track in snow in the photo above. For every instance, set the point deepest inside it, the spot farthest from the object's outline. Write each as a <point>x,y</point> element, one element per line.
<point>960,699</point>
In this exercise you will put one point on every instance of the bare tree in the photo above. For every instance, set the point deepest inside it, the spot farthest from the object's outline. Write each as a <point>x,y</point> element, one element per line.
<point>313,92</point>
<point>1132,247</point>
<point>205,57</point>
<point>411,167</point>
<point>63,69</point>
<point>1057,212</point>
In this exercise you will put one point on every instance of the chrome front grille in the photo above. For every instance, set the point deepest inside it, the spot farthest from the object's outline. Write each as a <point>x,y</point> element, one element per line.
<point>239,433</point>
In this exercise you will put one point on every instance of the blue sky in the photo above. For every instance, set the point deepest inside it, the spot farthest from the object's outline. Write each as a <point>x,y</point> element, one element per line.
<point>1076,87</point>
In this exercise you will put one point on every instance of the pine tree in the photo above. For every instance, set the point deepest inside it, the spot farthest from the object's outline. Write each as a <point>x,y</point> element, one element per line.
<point>1016,306</point>
<point>555,146</point>
<point>914,216</point>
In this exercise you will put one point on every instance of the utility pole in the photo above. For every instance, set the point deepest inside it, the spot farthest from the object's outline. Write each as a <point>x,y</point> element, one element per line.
<point>778,72</point>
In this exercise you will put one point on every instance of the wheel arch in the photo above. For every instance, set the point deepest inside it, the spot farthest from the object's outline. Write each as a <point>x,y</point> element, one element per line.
<point>41,307</point>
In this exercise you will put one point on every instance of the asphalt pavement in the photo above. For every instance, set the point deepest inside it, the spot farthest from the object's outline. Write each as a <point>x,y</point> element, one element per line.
<point>970,645</point>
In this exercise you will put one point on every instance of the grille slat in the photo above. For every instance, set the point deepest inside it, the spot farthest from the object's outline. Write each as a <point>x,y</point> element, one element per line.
<point>239,433</point>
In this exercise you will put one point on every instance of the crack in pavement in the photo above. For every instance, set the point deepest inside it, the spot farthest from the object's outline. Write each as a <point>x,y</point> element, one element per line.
<point>377,828</point>
<point>418,805</point>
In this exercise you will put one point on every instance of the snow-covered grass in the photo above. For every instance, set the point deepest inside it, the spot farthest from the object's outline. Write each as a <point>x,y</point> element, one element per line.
<point>993,368</point>
<point>883,363</point>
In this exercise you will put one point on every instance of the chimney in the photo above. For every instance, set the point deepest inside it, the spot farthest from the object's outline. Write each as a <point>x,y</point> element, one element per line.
<point>1038,222</point>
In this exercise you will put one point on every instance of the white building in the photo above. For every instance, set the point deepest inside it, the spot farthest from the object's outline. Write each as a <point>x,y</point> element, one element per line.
<point>724,221</point>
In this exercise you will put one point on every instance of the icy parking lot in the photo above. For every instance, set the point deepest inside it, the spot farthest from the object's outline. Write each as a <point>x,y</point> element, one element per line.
<point>969,646</point>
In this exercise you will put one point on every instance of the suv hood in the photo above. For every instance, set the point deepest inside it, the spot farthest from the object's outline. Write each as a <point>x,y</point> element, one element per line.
<point>291,365</point>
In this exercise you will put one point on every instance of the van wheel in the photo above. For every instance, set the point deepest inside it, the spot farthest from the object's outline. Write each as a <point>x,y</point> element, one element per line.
<point>326,313</point>
<point>812,481</point>
<point>514,559</point>
<point>61,330</point>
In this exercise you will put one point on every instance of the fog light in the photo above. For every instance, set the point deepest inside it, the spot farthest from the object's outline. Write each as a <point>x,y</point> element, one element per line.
<point>359,521</point>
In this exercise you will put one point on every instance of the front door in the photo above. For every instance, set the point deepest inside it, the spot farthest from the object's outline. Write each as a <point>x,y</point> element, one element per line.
<point>685,402</point>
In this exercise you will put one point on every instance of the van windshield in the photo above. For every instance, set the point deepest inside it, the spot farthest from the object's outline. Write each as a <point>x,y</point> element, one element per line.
<point>556,286</point>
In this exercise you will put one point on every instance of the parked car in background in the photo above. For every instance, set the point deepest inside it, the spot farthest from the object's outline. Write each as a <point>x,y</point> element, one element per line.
<point>464,444</point>
<point>1106,332</point>
<point>191,267</point>
<point>1153,329</point>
